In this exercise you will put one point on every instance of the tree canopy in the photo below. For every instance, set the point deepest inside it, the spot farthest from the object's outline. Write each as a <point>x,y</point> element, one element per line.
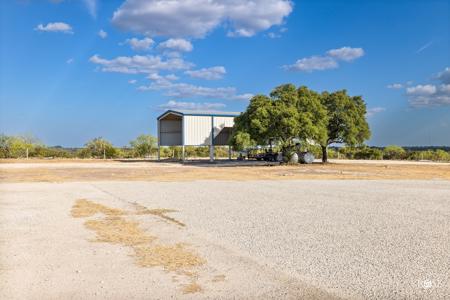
<point>287,114</point>
<point>144,144</point>
<point>347,122</point>
<point>290,113</point>
<point>100,147</point>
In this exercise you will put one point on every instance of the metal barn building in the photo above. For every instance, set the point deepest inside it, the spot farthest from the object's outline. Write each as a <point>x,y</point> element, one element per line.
<point>193,128</point>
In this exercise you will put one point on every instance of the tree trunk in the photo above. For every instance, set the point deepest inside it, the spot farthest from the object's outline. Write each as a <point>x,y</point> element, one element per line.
<point>324,154</point>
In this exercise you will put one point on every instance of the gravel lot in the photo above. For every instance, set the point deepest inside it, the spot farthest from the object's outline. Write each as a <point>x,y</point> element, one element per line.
<point>260,239</point>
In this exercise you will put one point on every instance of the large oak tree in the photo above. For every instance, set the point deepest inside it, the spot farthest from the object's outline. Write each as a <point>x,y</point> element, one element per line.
<point>346,122</point>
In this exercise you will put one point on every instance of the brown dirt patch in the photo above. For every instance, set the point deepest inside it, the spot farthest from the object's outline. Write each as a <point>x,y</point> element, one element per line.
<point>114,228</point>
<point>117,230</point>
<point>85,208</point>
<point>192,288</point>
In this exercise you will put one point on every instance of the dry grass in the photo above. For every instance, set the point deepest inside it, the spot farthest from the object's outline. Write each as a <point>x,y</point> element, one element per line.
<point>191,288</point>
<point>171,258</point>
<point>115,229</point>
<point>173,172</point>
<point>84,208</point>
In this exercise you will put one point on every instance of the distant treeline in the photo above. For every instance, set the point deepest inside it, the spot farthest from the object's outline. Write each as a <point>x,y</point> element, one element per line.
<point>145,146</point>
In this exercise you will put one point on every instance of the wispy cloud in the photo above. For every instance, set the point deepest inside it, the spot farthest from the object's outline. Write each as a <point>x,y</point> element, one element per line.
<point>174,47</point>
<point>103,34</point>
<point>185,90</point>
<point>55,27</point>
<point>140,45</point>
<point>346,53</point>
<point>69,61</point>
<point>326,62</point>
<point>427,45</point>
<point>139,64</point>
<point>375,110</point>
<point>91,6</point>
<point>196,106</point>
<point>395,86</point>
<point>212,73</point>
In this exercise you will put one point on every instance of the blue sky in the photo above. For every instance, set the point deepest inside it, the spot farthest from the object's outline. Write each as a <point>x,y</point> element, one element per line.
<point>74,70</point>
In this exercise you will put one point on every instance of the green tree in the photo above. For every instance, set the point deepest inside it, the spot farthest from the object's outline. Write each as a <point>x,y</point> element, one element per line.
<point>346,122</point>
<point>394,152</point>
<point>100,147</point>
<point>144,145</point>
<point>289,113</point>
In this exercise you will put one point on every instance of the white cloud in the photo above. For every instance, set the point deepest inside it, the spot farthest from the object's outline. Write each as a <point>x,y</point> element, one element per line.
<point>196,106</point>
<point>162,81</point>
<point>326,62</point>
<point>69,61</point>
<point>196,18</point>
<point>426,89</point>
<point>313,63</point>
<point>346,53</point>
<point>177,45</point>
<point>429,95</point>
<point>171,77</point>
<point>140,45</point>
<point>212,73</point>
<point>91,6</point>
<point>444,76</point>
<point>184,90</point>
<point>103,34</point>
<point>139,64</point>
<point>55,27</point>
<point>395,86</point>
<point>132,81</point>
<point>374,110</point>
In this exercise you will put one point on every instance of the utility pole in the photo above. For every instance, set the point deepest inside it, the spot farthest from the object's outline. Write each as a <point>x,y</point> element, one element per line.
<point>104,153</point>
<point>27,153</point>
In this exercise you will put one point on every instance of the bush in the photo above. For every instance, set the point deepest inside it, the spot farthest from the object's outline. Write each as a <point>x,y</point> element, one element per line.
<point>99,148</point>
<point>368,153</point>
<point>394,152</point>
<point>144,145</point>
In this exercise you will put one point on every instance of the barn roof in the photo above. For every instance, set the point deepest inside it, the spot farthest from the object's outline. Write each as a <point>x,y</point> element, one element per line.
<point>184,112</point>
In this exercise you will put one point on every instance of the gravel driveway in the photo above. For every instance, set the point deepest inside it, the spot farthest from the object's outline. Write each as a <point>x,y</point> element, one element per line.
<point>261,239</point>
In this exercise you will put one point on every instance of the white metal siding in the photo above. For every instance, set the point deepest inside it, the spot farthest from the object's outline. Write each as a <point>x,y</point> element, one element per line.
<point>197,130</point>
<point>170,132</point>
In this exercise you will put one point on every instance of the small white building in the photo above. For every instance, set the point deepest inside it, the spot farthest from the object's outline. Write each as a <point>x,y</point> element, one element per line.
<point>195,128</point>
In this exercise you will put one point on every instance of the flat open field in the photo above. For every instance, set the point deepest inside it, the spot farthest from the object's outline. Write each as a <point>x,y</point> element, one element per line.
<point>142,230</point>
<point>98,170</point>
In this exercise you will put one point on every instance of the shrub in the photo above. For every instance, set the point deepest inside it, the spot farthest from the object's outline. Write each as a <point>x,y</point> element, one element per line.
<point>394,152</point>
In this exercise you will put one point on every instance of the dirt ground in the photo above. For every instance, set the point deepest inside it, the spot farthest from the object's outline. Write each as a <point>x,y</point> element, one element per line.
<point>98,170</point>
<point>87,229</point>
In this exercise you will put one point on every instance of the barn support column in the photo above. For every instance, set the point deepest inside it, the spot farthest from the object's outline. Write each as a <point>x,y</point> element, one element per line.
<point>159,142</point>
<point>211,153</point>
<point>183,153</point>
<point>211,142</point>
<point>229,152</point>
